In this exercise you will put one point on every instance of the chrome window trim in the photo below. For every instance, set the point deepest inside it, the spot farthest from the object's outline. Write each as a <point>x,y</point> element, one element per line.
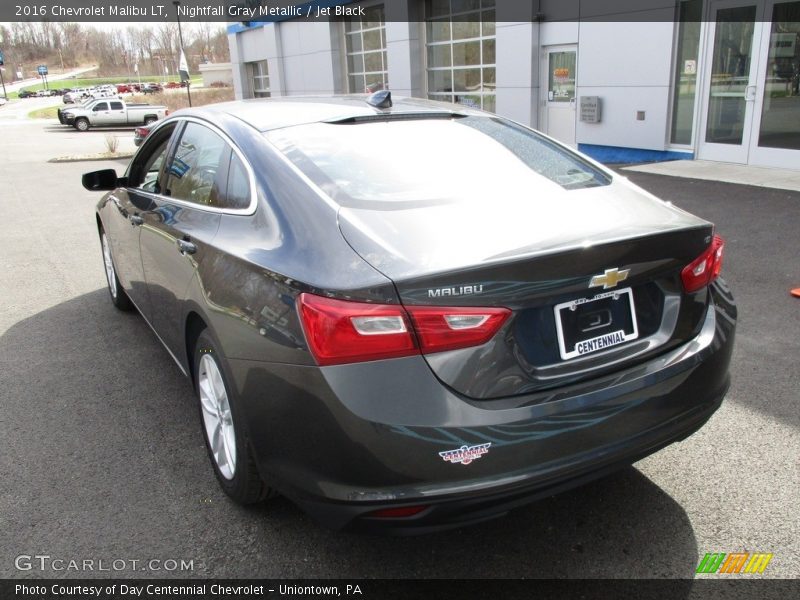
<point>250,210</point>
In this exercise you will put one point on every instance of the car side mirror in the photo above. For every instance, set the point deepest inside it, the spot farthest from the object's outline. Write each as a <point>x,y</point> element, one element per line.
<point>102,181</point>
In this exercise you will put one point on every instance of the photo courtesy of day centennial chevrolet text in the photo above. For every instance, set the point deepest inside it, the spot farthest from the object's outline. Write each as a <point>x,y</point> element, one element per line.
<point>406,315</point>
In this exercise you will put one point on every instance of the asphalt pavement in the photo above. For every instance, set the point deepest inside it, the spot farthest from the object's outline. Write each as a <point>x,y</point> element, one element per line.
<point>102,457</point>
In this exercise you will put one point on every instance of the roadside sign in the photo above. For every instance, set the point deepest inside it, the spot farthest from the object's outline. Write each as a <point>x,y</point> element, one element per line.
<point>42,69</point>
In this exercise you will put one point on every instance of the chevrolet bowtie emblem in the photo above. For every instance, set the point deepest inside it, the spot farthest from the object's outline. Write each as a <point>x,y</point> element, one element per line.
<point>609,279</point>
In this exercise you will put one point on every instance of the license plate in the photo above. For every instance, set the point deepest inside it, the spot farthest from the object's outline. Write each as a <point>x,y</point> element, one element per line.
<point>588,325</point>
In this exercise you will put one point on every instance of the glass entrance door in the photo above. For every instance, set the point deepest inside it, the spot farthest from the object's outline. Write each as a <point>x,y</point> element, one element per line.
<point>752,107</point>
<point>777,142</point>
<point>730,86</point>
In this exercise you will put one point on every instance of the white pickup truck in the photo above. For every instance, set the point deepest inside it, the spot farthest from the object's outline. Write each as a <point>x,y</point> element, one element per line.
<point>110,112</point>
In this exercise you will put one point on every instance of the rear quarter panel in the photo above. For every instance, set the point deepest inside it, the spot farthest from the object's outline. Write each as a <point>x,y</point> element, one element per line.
<point>257,264</point>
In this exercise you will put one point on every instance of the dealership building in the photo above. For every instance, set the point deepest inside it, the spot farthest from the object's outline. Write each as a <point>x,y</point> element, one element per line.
<point>623,80</point>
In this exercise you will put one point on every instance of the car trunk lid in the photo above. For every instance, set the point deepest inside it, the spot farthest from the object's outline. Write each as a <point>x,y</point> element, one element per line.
<point>533,253</point>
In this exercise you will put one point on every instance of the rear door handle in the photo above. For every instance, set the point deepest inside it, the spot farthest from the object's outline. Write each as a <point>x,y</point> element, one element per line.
<point>186,247</point>
<point>136,220</point>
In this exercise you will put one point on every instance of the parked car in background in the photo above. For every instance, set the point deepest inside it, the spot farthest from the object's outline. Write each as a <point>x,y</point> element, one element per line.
<point>45,93</point>
<point>105,93</point>
<point>76,95</point>
<point>2,100</point>
<point>140,133</point>
<point>427,334</point>
<point>109,113</point>
<point>123,88</point>
<point>26,94</point>
<point>151,88</point>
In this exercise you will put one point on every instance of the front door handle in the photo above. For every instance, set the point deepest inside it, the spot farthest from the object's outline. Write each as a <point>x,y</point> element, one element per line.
<point>136,220</point>
<point>186,247</point>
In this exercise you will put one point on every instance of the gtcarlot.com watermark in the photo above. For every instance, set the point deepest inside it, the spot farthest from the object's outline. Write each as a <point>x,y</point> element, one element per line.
<point>57,564</point>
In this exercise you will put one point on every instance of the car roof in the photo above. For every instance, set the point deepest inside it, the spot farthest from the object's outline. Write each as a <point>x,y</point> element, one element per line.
<point>265,114</point>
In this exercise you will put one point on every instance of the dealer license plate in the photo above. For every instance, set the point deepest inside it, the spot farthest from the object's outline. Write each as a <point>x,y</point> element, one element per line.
<point>588,325</point>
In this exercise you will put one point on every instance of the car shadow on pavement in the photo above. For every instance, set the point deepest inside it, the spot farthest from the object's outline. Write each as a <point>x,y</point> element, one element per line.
<point>102,435</point>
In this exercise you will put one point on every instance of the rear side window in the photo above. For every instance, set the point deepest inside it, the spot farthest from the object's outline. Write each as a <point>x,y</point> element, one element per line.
<point>116,106</point>
<point>238,193</point>
<point>432,159</point>
<point>198,169</point>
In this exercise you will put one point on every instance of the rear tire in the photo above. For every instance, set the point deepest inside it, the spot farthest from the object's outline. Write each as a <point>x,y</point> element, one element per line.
<point>223,429</point>
<point>82,124</point>
<point>118,296</point>
<point>149,121</point>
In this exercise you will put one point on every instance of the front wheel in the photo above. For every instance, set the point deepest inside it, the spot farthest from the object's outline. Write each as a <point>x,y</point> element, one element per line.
<point>225,434</point>
<point>118,295</point>
<point>82,124</point>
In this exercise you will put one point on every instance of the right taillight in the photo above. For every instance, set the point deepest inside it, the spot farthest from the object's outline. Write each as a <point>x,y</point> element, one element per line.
<point>705,268</point>
<point>450,328</point>
<point>342,331</point>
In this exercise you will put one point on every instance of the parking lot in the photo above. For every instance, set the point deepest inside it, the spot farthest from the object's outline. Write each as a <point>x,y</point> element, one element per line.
<point>102,455</point>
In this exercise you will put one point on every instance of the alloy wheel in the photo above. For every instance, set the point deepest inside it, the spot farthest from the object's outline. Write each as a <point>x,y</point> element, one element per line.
<point>217,417</point>
<point>111,275</point>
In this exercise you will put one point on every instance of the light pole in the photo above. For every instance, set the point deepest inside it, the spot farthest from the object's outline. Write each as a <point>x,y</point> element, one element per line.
<point>177,3</point>
<point>2,64</point>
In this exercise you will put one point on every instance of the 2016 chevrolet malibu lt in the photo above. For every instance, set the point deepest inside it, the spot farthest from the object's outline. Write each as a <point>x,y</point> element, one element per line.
<point>409,315</point>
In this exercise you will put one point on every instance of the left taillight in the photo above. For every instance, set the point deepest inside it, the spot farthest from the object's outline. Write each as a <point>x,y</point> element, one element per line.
<point>705,268</point>
<point>340,331</point>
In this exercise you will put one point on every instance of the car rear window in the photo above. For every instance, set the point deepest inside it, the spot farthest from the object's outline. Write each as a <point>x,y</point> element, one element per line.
<point>402,160</point>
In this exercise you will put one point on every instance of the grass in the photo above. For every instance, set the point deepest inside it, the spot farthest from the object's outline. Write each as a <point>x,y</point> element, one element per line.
<point>176,99</point>
<point>173,100</point>
<point>44,113</point>
<point>91,82</point>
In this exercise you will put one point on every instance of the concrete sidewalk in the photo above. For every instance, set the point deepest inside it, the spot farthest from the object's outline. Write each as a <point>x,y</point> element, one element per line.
<point>782,179</point>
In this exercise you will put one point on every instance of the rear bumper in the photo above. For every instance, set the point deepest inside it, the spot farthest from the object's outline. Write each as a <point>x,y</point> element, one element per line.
<point>455,509</point>
<point>348,440</point>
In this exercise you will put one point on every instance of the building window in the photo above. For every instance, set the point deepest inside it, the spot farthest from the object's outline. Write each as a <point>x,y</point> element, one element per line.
<point>691,12</point>
<point>259,78</point>
<point>365,47</point>
<point>460,43</point>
